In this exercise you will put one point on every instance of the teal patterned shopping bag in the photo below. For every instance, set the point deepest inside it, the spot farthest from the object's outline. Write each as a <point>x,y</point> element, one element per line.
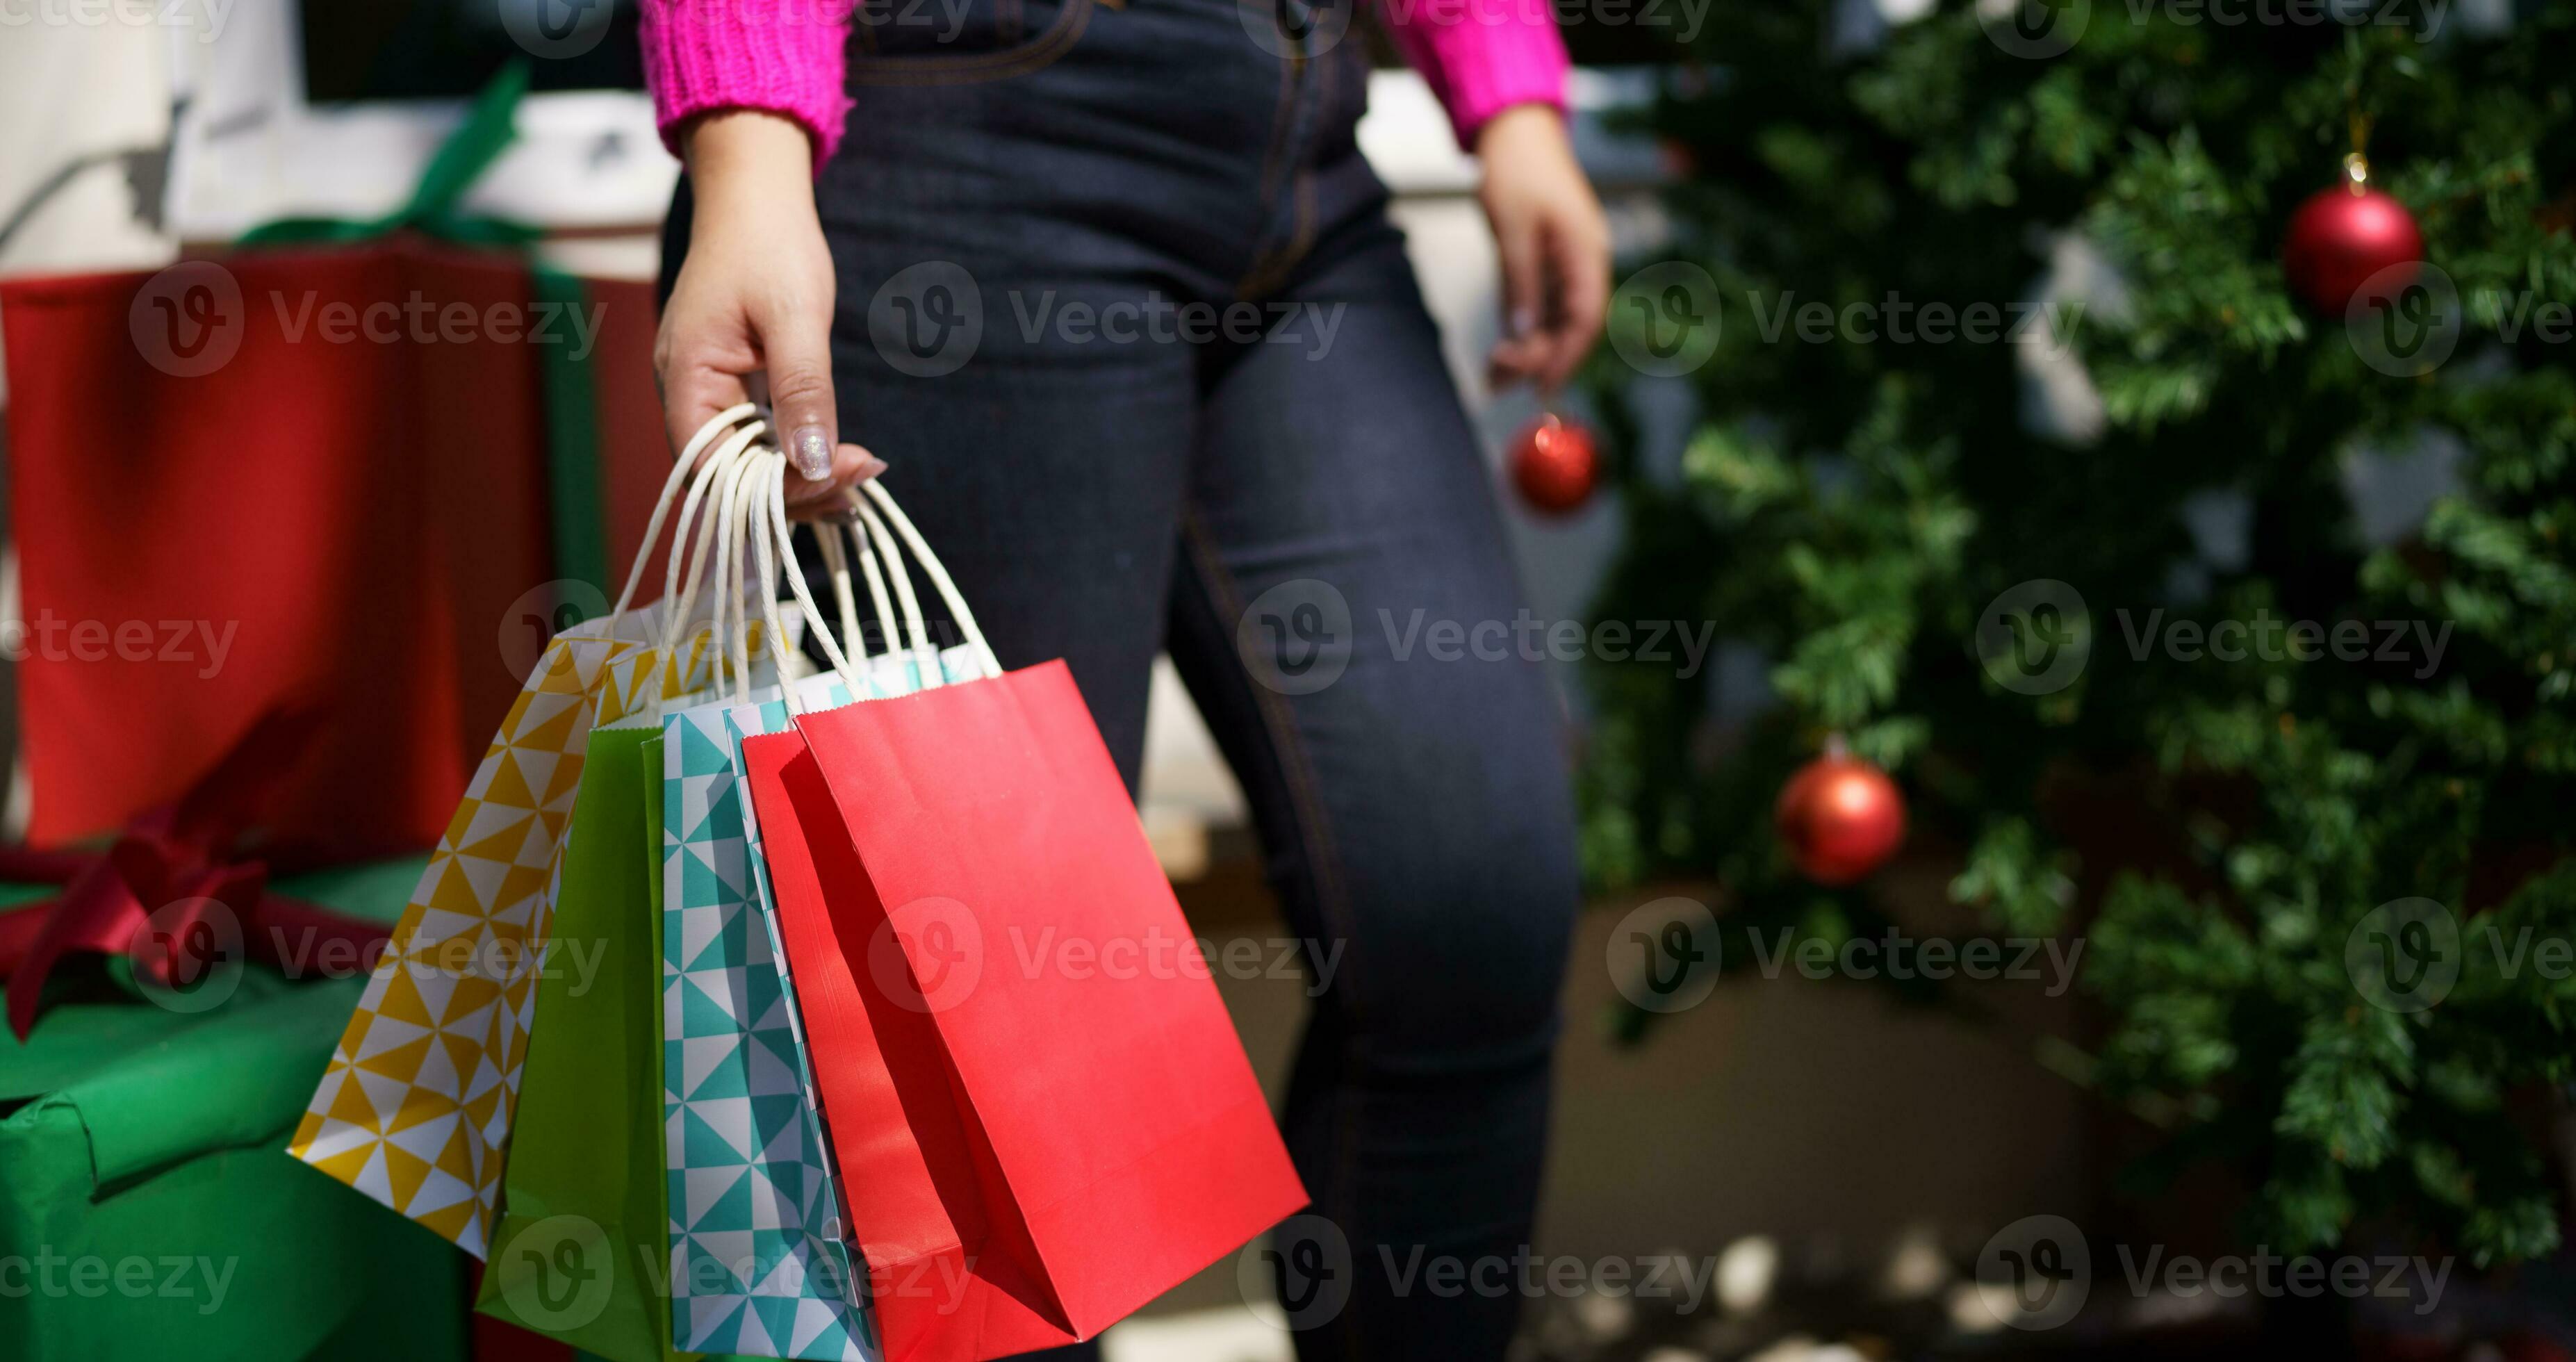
<point>759,1259</point>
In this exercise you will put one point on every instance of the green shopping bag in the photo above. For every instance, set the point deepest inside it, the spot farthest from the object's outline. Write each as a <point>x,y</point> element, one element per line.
<point>581,1253</point>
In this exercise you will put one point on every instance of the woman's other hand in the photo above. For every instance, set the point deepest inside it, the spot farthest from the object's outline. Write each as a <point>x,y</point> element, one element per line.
<point>754,296</point>
<point>1554,242</point>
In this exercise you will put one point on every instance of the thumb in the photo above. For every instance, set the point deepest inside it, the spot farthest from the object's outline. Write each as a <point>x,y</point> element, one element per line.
<point>1524,287</point>
<point>797,353</point>
<point>1516,241</point>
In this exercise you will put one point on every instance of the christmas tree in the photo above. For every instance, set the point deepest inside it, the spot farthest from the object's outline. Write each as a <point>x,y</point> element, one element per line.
<point>2133,534</point>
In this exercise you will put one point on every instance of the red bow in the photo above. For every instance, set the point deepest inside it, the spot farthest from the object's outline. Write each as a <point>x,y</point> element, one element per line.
<point>169,893</point>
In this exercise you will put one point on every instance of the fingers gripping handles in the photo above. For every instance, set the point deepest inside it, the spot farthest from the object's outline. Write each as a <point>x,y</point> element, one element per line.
<point>732,505</point>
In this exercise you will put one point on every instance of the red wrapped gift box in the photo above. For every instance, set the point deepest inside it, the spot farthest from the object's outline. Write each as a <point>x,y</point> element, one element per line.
<point>350,509</point>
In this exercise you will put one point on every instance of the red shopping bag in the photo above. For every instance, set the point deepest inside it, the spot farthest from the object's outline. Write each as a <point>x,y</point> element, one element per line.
<point>1041,1112</point>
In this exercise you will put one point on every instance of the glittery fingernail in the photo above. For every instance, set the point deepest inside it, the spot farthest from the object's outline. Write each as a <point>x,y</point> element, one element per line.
<point>811,448</point>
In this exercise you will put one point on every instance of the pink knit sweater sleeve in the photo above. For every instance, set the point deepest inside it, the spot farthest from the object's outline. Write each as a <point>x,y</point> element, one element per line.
<point>1479,56</point>
<point>783,56</point>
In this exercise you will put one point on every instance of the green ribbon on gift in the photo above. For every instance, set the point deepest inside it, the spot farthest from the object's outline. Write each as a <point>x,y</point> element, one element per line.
<point>567,387</point>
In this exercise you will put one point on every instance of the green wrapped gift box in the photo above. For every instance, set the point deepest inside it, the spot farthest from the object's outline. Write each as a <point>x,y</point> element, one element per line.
<point>148,1209</point>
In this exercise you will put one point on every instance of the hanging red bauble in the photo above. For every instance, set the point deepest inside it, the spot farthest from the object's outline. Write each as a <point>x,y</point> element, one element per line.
<point>1554,464</point>
<point>2342,236</point>
<point>1840,817</point>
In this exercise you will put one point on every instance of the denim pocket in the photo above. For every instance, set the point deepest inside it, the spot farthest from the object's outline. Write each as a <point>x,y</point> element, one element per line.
<point>961,42</point>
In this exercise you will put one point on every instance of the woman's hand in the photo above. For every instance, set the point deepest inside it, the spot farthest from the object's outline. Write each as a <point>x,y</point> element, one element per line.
<point>1555,246</point>
<point>754,296</point>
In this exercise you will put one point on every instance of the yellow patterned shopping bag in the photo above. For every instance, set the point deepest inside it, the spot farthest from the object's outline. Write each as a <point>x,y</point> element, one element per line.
<point>416,1105</point>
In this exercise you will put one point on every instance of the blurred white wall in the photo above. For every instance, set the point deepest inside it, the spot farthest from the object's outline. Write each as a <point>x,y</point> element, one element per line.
<point>86,109</point>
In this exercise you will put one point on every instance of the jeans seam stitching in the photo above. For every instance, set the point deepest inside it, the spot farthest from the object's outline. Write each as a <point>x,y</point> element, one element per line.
<point>1332,902</point>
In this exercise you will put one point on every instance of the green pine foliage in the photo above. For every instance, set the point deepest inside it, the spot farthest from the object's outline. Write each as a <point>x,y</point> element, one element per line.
<point>1849,507</point>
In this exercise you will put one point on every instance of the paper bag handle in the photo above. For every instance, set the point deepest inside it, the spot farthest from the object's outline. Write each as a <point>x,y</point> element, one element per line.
<point>939,579</point>
<point>680,470</point>
<point>868,516</point>
<point>773,500</point>
<point>721,472</point>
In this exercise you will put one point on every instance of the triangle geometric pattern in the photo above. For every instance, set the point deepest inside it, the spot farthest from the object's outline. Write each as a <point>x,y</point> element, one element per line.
<point>415,1106</point>
<point>760,1263</point>
<point>757,1259</point>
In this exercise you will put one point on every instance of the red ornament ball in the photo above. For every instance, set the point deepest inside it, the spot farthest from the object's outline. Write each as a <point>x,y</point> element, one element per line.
<point>1555,465</point>
<point>2341,237</point>
<point>1840,817</point>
